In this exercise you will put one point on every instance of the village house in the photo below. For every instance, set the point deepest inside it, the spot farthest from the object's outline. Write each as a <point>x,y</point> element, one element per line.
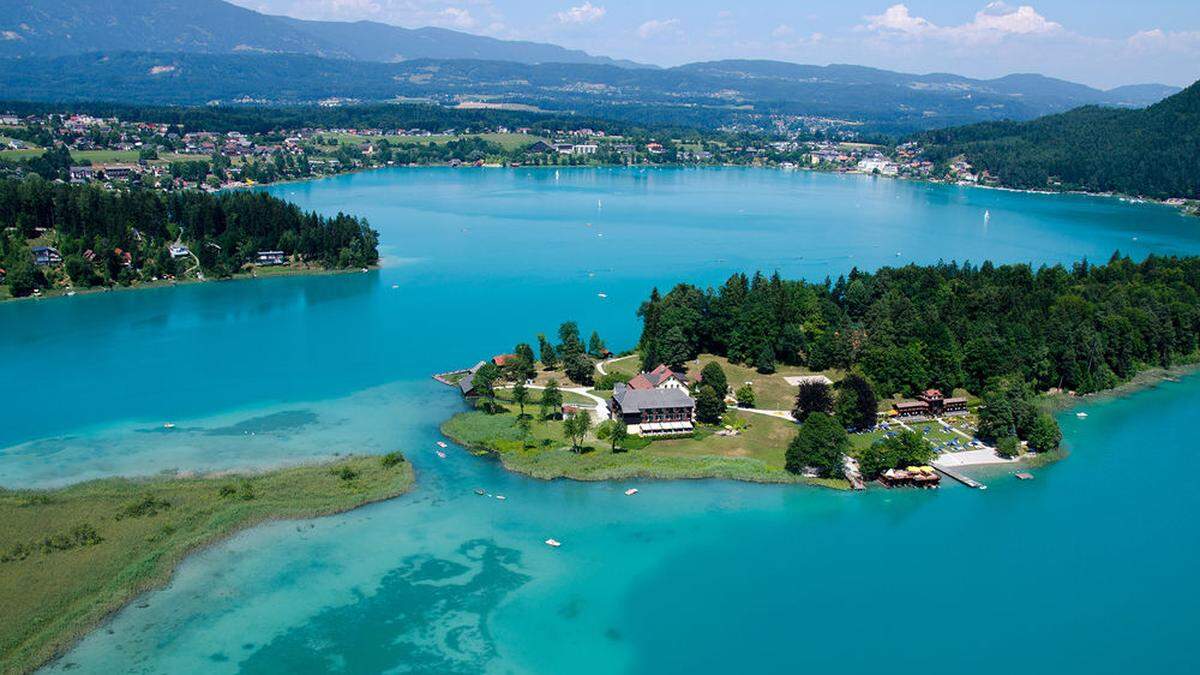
<point>179,251</point>
<point>269,258</point>
<point>653,411</point>
<point>46,256</point>
<point>661,377</point>
<point>930,403</point>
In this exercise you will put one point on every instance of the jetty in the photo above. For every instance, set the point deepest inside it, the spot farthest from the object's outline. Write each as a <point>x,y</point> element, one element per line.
<point>962,478</point>
<point>445,378</point>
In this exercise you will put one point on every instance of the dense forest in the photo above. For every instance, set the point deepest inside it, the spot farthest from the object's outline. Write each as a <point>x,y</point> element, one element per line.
<point>123,236</point>
<point>1153,152</point>
<point>1083,328</point>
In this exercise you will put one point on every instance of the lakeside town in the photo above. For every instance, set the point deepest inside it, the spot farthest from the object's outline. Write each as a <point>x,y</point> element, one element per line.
<point>112,151</point>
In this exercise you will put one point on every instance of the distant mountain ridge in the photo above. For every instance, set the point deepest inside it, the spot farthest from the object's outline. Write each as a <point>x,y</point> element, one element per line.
<point>54,28</point>
<point>698,95</point>
<point>1152,152</point>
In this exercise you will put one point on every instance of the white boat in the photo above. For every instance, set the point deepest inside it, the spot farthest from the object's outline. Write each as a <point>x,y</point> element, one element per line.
<point>631,492</point>
<point>501,497</point>
<point>553,542</point>
<point>602,295</point>
<point>987,217</point>
<point>395,285</point>
<point>169,425</point>
<point>442,444</point>
<point>441,454</point>
<point>1081,415</point>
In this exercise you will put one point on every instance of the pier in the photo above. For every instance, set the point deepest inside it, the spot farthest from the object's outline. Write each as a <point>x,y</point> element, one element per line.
<point>965,480</point>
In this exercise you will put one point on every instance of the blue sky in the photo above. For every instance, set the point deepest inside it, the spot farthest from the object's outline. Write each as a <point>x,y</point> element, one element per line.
<point>1099,42</point>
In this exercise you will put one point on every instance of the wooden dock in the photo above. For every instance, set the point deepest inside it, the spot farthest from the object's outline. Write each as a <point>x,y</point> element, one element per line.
<point>965,480</point>
<point>444,378</point>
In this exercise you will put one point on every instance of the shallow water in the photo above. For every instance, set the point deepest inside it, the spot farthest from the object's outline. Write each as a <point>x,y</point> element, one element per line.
<point>1087,568</point>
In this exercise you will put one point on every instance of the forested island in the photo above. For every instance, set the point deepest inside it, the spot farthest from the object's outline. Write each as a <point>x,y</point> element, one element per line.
<point>62,236</point>
<point>728,373</point>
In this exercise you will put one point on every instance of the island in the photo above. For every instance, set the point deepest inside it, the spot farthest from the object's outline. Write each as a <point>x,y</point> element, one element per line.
<point>900,376</point>
<point>75,555</point>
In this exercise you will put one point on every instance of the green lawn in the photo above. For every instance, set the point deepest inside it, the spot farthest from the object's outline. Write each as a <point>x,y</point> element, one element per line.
<point>71,556</point>
<point>757,454</point>
<point>771,392</point>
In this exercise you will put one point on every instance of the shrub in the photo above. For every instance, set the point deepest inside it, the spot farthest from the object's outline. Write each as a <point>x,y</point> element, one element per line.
<point>148,507</point>
<point>345,473</point>
<point>745,396</point>
<point>391,459</point>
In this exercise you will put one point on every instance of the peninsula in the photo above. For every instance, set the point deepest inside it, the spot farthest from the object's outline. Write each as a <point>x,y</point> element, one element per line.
<point>877,376</point>
<point>70,557</point>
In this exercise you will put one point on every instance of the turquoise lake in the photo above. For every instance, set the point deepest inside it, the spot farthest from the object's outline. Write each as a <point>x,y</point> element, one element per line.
<point>1089,568</point>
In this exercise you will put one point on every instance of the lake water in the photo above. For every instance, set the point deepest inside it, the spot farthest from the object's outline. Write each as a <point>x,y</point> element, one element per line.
<point>1089,568</point>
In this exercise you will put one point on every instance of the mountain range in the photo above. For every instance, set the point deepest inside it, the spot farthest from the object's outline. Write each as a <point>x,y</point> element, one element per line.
<point>200,51</point>
<point>51,28</point>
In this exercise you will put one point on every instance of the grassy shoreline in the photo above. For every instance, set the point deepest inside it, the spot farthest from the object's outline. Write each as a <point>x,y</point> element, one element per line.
<point>72,557</point>
<point>549,459</point>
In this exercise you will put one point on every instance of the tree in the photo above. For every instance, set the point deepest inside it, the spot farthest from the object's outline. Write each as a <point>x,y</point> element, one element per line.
<point>549,356</point>
<point>821,445</point>
<point>908,448</point>
<point>714,376</point>
<point>745,396</point>
<point>483,385</point>
<point>1008,446</point>
<point>708,405</point>
<point>569,343</point>
<point>996,416</point>
<point>525,426</point>
<point>856,405</point>
<point>524,351</point>
<point>1045,436</point>
<point>551,399</point>
<point>765,361</point>
<point>812,396</point>
<point>596,346</point>
<point>673,349</point>
<point>613,431</point>
<point>575,428</point>
<point>579,368</point>
<point>521,395</point>
<point>23,279</point>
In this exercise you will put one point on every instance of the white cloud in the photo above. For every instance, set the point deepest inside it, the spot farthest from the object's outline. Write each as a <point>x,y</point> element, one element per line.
<point>457,17</point>
<point>656,27</point>
<point>1183,42</point>
<point>994,22</point>
<point>782,31</point>
<point>585,13</point>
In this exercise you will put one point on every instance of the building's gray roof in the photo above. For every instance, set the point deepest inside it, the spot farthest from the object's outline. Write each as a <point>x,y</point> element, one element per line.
<point>636,400</point>
<point>467,383</point>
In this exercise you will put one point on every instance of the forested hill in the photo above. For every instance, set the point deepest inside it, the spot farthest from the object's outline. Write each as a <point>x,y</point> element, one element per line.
<point>947,326</point>
<point>1154,152</point>
<point>108,237</point>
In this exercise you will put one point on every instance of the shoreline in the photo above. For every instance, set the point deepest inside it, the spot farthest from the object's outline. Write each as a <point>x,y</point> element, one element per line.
<point>58,293</point>
<point>81,622</point>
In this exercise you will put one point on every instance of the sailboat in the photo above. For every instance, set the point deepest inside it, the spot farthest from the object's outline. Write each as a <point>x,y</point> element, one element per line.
<point>987,216</point>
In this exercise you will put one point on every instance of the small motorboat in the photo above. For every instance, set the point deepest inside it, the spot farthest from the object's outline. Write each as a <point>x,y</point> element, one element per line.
<point>169,425</point>
<point>441,444</point>
<point>441,455</point>
<point>501,497</point>
<point>1081,415</point>
<point>631,492</point>
<point>553,542</point>
<point>480,492</point>
<point>602,295</point>
<point>1024,476</point>
<point>395,285</point>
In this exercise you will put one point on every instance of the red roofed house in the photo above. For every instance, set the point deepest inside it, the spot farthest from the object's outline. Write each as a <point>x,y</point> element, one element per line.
<point>503,359</point>
<point>661,377</point>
